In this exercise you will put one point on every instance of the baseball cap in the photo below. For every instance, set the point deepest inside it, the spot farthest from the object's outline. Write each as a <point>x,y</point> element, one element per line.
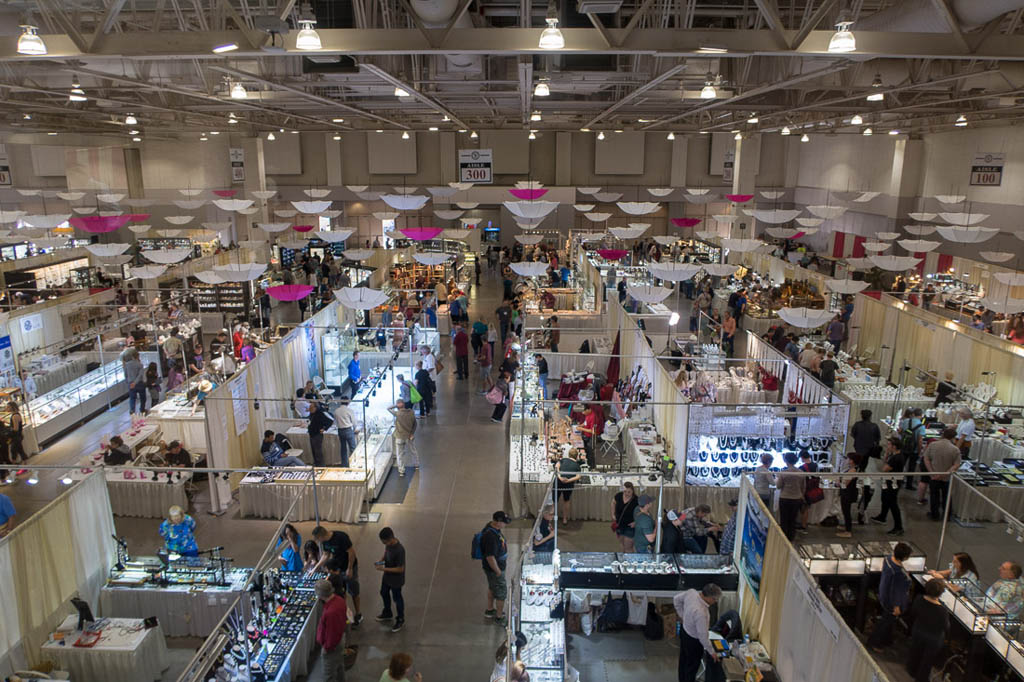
<point>500,516</point>
<point>733,502</point>
<point>644,500</point>
<point>671,515</point>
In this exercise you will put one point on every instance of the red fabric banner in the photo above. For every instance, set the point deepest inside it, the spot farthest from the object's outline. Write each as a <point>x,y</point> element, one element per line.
<point>838,243</point>
<point>858,246</point>
<point>945,263</point>
<point>920,266</point>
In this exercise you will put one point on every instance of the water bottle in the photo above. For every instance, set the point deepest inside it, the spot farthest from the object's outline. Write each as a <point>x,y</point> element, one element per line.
<point>746,639</point>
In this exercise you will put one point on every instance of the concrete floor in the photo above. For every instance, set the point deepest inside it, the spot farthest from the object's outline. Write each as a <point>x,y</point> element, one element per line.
<point>462,480</point>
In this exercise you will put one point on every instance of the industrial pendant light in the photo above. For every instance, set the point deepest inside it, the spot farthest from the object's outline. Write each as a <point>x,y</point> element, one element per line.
<point>532,135</point>
<point>671,136</point>
<point>805,138</point>
<point>541,89</point>
<point>784,131</point>
<point>130,120</point>
<point>551,38</point>
<point>76,93</point>
<point>307,38</point>
<point>29,41</point>
<point>270,136</point>
<point>401,92</point>
<point>868,132</point>
<point>842,40</point>
<point>961,121</point>
<point>856,120</point>
<point>405,134</point>
<point>238,91</point>
<point>535,116</point>
<point>877,96</point>
<point>600,135</point>
<point>708,91</point>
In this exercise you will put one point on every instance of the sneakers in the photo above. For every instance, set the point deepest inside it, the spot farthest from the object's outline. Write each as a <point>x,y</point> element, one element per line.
<point>384,615</point>
<point>875,519</point>
<point>398,625</point>
<point>843,534</point>
<point>860,518</point>
<point>490,613</point>
<point>401,472</point>
<point>358,620</point>
<point>501,620</point>
<point>496,421</point>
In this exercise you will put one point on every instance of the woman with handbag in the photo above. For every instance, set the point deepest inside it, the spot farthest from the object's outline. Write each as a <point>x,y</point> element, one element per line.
<point>623,506</point>
<point>813,494</point>
<point>498,396</point>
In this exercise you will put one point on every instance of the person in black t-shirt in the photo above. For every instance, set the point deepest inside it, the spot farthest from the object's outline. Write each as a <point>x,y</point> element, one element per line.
<point>928,635</point>
<point>117,454</point>
<point>338,549</point>
<point>892,461</point>
<point>828,369</point>
<point>495,553</point>
<point>544,537</point>
<point>671,535</point>
<point>623,506</point>
<point>567,472</point>
<point>177,456</point>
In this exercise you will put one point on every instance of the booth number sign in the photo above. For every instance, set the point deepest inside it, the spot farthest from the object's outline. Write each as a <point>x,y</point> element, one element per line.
<point>475,166</point>
<point>987,169</point>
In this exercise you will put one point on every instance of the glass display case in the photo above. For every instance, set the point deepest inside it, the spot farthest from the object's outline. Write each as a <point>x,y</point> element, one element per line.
<point>970,605</point>
<point>1007,639</point>
<point>833,559</point>
<point>875,554</point>
<point>54,412</point>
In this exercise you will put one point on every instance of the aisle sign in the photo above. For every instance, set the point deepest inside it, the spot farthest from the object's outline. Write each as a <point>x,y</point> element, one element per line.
<point>5,167</point>
<point>475,166</point>
<point>728,164</point>
<point>753,541</point>
<point>237,157</point>
<point>987,169</point>
<point>31,323</point>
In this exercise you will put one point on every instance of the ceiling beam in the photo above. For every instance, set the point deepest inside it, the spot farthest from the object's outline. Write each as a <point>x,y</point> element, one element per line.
<point>599,25</point>
<point>653,83</point>
<point>105,24</point>
<point>416,94</point>
<point>65,23</point>
<point>946,12</point>
<point>526,89</point>
<point>812,23</point>
<point>770,11</point>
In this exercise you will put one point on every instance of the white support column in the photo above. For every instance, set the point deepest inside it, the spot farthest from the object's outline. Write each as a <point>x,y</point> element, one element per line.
<point>448,148</point>
<point>744,178</point>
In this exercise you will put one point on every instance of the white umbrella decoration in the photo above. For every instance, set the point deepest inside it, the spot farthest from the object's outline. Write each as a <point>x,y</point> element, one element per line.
<point>191,192</point>
<point>875,247</point>
<point>584,208</point>
<point>30,192</point>
<point>919,245</point>
<point>107,250</point>
<point>139,229</point>
<point>997,256</point>
<point>827,212</point>
<point>627,232</point>
<point>809,222</point>
<point>660,191</point>
<point>285,212</point>
<point>405,190</point>
<point>529,184</point>
<point>648,293</point>
<point>773,216</point>
<point>467,205</point>
<point>404,202</point>
<point>706,234</point>
<point>273,227</point>
<point>805,318</point>
<point>167,256</point>
<point>529,239</point>
<point>887,236</point>
<point>148,271</point>
<point>725,217</point>
<point>607,197</point>
<point>357,188</point>
<point>357,254</point>
<point>10,216</point>
<point>442,191</point>
<point>531,209</point>
<point>208,277</point>
<point>461,186</point>
<point>263,194</point>
<point>921,216</point>
<point>697,192</point>
<point>46,222</point>
<point>431,257</point>
<point>859,263</point>
<point>316,193</point>
<point>674,272</point>
<point>448,215</point>
<point>180,219</point>
<point>741,245</point>
<point>453,233</point>
<point>332,213</point>
<point>83,210</point>
<point>782,232</point>
<point>866,196</point>
<point>665,239</point>
<point>894,263</point>
<point>312,207</point>
<point>920,230</point>
<point>588,190</point>
<point>593,236</point>
<point>772,194</point>
<point>966,234</point>
<point>638,207</point>
<point>597,217</point>
<point>846,286</point>
<point>1010,306</point>
<point>361,298</point>
<point>189,204</point>
<point>70,196</point>
<point>334,236</point>
<point>368,196</point>
<point>963,218</point>
<point>951,198</point>
<point>107,198</point>
<point>719,269</point>
<point>293,244</point>
<point>386,215</point>
<point>240,272</point>
<point>470,221</point>
<point>234,204</point>
<point>117,260</point>
<point>1010,279</point>
<point>529,268</point>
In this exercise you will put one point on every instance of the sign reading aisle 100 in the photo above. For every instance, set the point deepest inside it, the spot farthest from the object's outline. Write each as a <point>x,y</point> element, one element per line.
<point>987,169</point>
<point>475,166</point>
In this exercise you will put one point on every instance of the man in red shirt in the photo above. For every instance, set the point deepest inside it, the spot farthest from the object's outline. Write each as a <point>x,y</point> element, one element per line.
<point>589,430</point>
<point>330,632</point>
<point>461,345</point>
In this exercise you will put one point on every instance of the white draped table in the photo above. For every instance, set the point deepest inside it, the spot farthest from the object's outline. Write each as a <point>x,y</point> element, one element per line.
<point>126,652</point>
<point>139,495</point>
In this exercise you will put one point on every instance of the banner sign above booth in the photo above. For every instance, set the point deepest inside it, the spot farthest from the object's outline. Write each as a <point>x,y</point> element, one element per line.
<point>987,169</point>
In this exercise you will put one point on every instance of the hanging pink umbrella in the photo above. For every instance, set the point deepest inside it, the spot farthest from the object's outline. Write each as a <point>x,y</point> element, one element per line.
<point>138,217</point>
<point>303,228</point>
<point>527,194</point>
<point>99,223</point>
<point>613,254</point>
<point>686,222</point>
<point>739,198</point>
<point>421,234</point>
<point>290,292</point>
<point>226,193</point>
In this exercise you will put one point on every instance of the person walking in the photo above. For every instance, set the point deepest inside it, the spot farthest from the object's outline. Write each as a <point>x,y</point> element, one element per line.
<point>152,383</point>
<point>893,462</point>
<point>928,634</point>
<point>567,473</point>
<point>542,374</point>
<point>848,493</point>
<point>492,338</point>
<point>623,507</point>
<point>476,339</point>
<point>494,551</point>
<point>499,408</point>
<point>460,344</point>
<point>405,433</point>
<point>504,313</point>
<point>644,530</point>
<point>485,360</point>
<point>426,389</point>
<point>893,596</point>
<point>17,435</point>
<point>346,422</point>
<point>912,438</point>
<point>319,422</point>
<point>792,487</point>
<point>728,334</point>
<point>763,479</point>
<point>330,631</point>
<point>965,432</point>
<point>135,377</point>
<point>404,389</point>
<point>941,458</point>
<point>835,332</point>
<point>554,333</point>
<point>692,607</point>
<point>866,443</point>
<point>392,566</point>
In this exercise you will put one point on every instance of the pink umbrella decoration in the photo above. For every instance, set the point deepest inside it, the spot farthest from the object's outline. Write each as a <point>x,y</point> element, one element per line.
<point>100,223</point>
<point>613,254</point>
<point>303,228</point>
<point>290,292</point>
<point>138,217</point>
<point>527,194</point>
<point>739,198</point>
<point>226,193</point>
<point>421,234</point>
<point>686,222</point>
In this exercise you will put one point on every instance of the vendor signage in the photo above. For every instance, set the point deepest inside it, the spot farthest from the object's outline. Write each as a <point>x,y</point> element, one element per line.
<point>728,165</point>
<point>237,157</point>
<point>754,538</point>
<point>6,355</point>
<point>31,323</point>
<point>240,403</point>
<point>475,166</point>
<point>987,169</point>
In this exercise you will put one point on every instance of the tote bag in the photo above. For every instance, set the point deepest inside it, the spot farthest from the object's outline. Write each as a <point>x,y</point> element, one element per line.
<point>495,396</point>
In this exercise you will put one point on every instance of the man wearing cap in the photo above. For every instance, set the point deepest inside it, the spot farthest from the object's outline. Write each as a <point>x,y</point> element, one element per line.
<point>694,643</point>
<point>694,531</point>
<point>495,552</point>
<point>644,532</point>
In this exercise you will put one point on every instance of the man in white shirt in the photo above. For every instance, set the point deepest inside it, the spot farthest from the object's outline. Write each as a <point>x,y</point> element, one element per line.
<point>300,404</point>
<point>27,385</point>
<point>965,432</point>
<point>694,642</point>
<point>346,422</point>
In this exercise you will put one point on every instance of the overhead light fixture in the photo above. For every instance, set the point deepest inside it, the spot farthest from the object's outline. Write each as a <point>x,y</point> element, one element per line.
<point>226,47</point>
<point>405,134</point>
<point>66,479</point>
<point>337,120</point>
<point>842,40</point>
<point>738,136</point>
<point>432,129</point>
<point>894,132</point>
<point>805,138</point>
<point>961,121</point>
<point>712,49</point>
<point>445,119</point>
<point>214,132</point>
<point>551,38</point>
<point>473,135</point>
<point>307,38</point>
<point>462,130</point>
<point>379,130</point>
<point>130,120</point>
<point>232,119</point>
<point>29,41</point>
<point>532,135</point>
<point>708,91</point>
<point>280,130</point>
<point>535,116</point>
<point>541,89</point>
<point>868,131</point>
<point>77,94</point>
<point>784,131</point>
<point>584,130</point>
<point>134,139</point>
<point>670,136</point>
<point>876,84</point>
<point>27,117</point>
<point>294,132</point>
<point>753,119</point>
<point>51,133</point>
<point>401,92</point>
<point>600,135</point>
<point>270,136</point>
<point>203,138</point>
<point>856,120</point>
<point>238,91</point>
<point>133,132</point>
<point>337,137</point>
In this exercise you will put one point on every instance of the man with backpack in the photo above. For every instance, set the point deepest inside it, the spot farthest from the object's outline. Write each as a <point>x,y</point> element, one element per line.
<point>912,442</point>
<point>490,548</point>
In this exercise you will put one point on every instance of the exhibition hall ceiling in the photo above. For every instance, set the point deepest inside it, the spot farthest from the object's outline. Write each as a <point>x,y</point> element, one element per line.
<point>172,68</point>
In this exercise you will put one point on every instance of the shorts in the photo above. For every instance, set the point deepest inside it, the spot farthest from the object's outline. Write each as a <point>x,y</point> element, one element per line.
<point>352,585</point>
<point>565,492</point>
<point>497,585</point>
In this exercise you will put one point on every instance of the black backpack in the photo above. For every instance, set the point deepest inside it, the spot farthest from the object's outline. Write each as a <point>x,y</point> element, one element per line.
<point>908,441</point>
<point>654,628</point>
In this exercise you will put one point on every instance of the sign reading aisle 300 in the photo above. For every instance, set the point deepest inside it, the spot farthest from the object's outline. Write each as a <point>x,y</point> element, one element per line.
<point>475,166</point>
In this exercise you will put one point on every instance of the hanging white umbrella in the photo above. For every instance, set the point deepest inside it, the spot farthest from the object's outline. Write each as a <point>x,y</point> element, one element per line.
<point>588,190</point>
<point>470,221</point>
<point>448,215</point>
<point>887,236</point>
<point>706,235</point>
<point>951,198</point>
<point>919,245</point>
<point>240,272</point>
<point>386,215</point>
<point>921,216</point>
<point>285,212</point>
<point>627,232</point>
<point>697,192</point>
<point>148,271</point>
<point>441,191</point>
<point>827,212</point>
<point>894,263</point>
<point>1009,306</point>
<point>597,217</point>
<point>293,244</point>
<point>920,230</point>
<point>405,190</point>
<point>167,256</point>
<point>773,216</point>
<point>529,239</point>
<point>189,204</point>
<point>361,298</point>
<point>273,227</point>
<point>233,204</point>
<point>357,188</point>
<point>139,229</point>
<point>967,234</point>
<point>648,293</point>
<point>461,186</point>
<point>772,194</point>
<point>117,260</point>
<point>316,193</point>
<point>699,198</point>
<point>529,224</point>
<point>866,196</point>
<point>1010,279</point>
<point>674,272</point>
<point>107,249</point>
<point>314,207</point>
<point>529,184</point>
<point>805,318</point>
<point>50,242</point>
<point>80,210</point>
<point>218,226</point>
<point>997,256</point>
<point>529,268</point>
<point>369,196</point>
<point>334,236</point>
<point>584,208</point>
<point>191,192</point>
<point>454,233</point>
<point>431,257</point>
<point>332,213</point>
<point>846,286</point>
<point>719,269</point>
<point>531,209</point>
<point>859,263</point>
<point>963,218</point>
<point>660,191</point>
<point>725,217</point>
<point>70,196</point>
<point>741,245</point>
<point>179,219</point>
<point>809,222</point>
<point>638,207</point>
<point>111,198</point>
<point>593,236</point>
<point>467,205</point>
<point>607,197</point>
<point>46,222</point>
<point>208,277</point>
<point>875,247</point>
<point>782,232</point>
<point>263,194</point>
<point>665,239</point>
<point>357,254</point>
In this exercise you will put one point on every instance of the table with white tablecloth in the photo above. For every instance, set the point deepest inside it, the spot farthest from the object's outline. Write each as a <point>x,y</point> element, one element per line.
<point>178,423</point>
<point>881,409</point>
<point>135,493</point>
<point>337,502</point>
<point>968,506</point>
<point>183,610</point>
<point>126,652</point>
<point>988,450</point>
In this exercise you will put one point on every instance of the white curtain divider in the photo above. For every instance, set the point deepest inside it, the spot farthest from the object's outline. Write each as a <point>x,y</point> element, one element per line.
<point>12,655</point>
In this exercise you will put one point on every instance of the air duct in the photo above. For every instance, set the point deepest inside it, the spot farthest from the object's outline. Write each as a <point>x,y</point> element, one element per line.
<point>437,14</point>
<point>921,16</point>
